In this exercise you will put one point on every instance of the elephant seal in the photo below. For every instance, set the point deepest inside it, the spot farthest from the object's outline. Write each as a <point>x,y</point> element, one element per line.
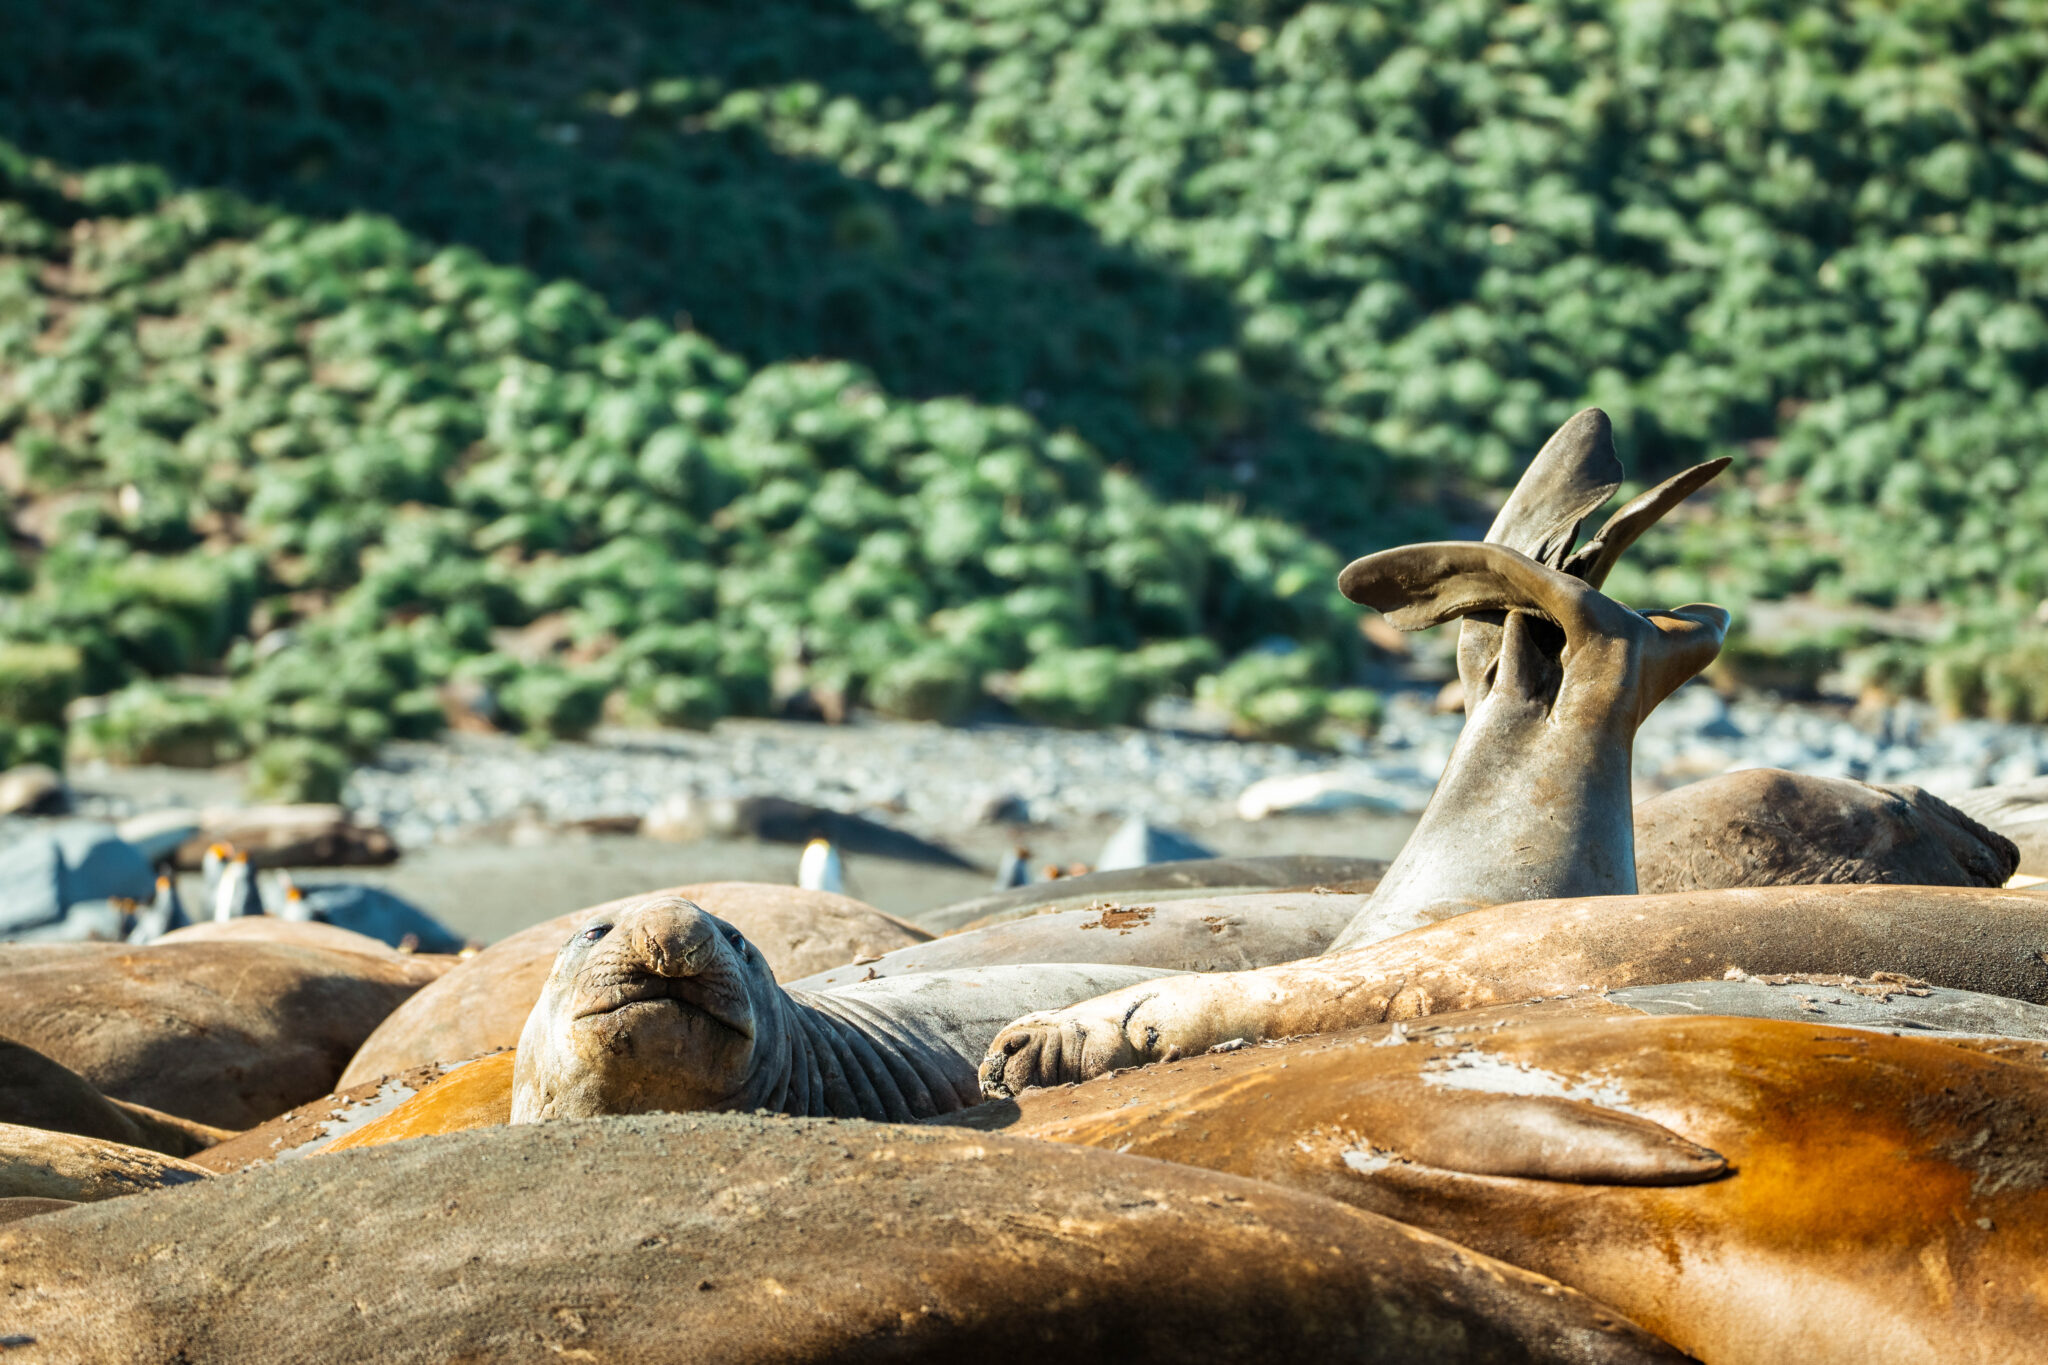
<point>276,929</point>
<point>482,1004</point>
<point>224,1033</point>
<point>36,1163</point>
<point>1159,882</point>
<point>1991,941</point>
<point>1768,827</point>
<point>1752,1190</point>
<point>1557,678</point>
<point>479,1093</point>
<point>664,1006</point>
<point>1198,934</point>
<point>738,1238</point>
<point>474,1094</point>
<point>2018,811</point>
<point>36,1092</point>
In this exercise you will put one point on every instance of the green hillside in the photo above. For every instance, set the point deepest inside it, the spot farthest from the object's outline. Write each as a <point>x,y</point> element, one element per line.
<point>892,346</point>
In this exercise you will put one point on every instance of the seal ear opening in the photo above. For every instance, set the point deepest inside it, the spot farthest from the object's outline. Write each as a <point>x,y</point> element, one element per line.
<point>1639,514</point>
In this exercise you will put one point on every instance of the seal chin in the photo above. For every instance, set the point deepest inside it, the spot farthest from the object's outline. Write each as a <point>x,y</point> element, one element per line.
<point>618,989</point>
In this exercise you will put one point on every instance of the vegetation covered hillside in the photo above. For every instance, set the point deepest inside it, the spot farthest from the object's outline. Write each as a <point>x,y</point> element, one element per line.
<point>1116,268</point>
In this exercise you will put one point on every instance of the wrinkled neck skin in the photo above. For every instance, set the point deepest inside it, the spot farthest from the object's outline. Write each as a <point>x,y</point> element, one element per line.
<point>844,1060</point>
<point>1534,803</point>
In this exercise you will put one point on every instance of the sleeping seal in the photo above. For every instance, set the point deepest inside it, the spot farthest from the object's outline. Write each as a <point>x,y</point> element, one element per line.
<point>483,1002</point>
<point>1966,938</point>
<point>1752,1190</point>
<point>663,1006</point>
<point>1768,827</point>
<point>1534,802</point>
<point>728,1237</point>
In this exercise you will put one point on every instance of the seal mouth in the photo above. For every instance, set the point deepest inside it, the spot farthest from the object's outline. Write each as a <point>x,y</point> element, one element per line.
<point>617,987</point>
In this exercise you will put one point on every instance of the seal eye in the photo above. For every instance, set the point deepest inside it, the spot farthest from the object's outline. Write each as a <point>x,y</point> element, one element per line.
<point>734,936</point>
<point>596,932</point>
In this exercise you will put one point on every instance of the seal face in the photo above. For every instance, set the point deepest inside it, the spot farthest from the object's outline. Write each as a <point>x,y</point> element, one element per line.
<point>657,1005</point>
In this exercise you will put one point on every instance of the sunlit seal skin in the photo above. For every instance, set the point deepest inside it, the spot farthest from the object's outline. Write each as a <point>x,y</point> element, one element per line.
<point>1198,934</point>
<point>36,1163</point>
<point>276,929</point>
<point>1754,1191</point>
<point>317,1124</point>
<point>729,1237</point>
<point>474,1094</point>
<point>663,1006</point>
<point>1535,800</point>
<point>1156,882</point>
<point>479,1093</point>
<point>1768,827</point>
<point>224,1033</point>
<point>1966,938</point>
<point>36,1092</point>
<point>481,1005</point>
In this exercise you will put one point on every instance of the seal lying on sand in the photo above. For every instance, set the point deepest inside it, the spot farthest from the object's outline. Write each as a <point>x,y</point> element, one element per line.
<point>1768,827</point>
<point>482,1004</point>
<point>226,1033</point>
<point>36,1092</point>
<point>1969,939</point>
<point>726,1237</point>
<point>664,1006</point>
<point>1754,1191</point>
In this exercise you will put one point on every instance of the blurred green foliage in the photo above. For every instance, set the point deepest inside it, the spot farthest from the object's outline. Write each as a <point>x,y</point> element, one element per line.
<point>346,468</point>
<point>1090,277</point>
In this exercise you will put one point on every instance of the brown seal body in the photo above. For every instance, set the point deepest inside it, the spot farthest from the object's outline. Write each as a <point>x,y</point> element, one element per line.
<point>38,1164</point>
<point>36,1092</point>
<point>225,1033</point>
<point>482,1004</point>
<point>661,1005</point>
<point>754,1241</point>
<point>475,1094</point>
<point>1991,941</point>
<point>313,1125</point>
<point>1156,882</point>
<point>1751,1190</point>
<point>305,932</point>
<point>1768,827</point>
<point>1195,934</point>
<point>1534,801</point>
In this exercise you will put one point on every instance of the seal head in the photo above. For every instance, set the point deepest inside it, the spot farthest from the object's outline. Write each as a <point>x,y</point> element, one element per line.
<point>658,1005</point>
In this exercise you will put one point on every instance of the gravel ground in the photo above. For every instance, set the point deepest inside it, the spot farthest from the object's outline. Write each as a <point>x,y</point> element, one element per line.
<point>490,825</point>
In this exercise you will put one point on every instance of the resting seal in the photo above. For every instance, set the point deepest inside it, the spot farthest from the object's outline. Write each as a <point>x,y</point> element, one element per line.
<point>662,1005</point>
<point>1768,827</point>
<point>38,1164</point>
<point>1965,938</point>
<point>727,1237</point>
<point>1194,934</point>
<point>1535,800</point>
<point>482,1003</point>
<point>36,1092</point>
<point>1752,1190</point>
<point>227,1033</point>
